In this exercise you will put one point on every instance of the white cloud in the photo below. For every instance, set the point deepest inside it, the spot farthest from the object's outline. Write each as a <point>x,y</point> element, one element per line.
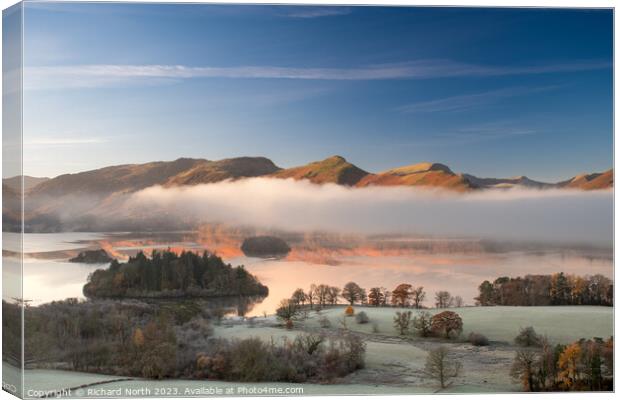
<point>550,215</point>
<point>317,12</point>
<point>470,101</point>
<point>85,76</point>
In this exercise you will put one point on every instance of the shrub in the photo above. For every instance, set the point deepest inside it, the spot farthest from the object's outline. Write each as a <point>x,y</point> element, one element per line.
<point>402,321</point>
<point>251,361</point>
<point>478,339</point>
<point>422,324</point>
<point>309,343</point>
<point>191,338</point>
<point>447,323</point>
<point>306,357</point>
<point>362,318</point>
<point>349,312</point>
<point>528,337</point>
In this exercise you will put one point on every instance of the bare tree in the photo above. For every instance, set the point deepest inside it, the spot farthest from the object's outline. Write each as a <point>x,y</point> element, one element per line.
<point>299,297</point>
<point>524,369</point>
<point>442,299</point>
<point>440,367</point>
<point>376,296</point>
<point>417,295</point>
<point>311,295</point>
<point>333,295</point>
<point>402,322</point>
<point>287,312</point>
<point>457,301</point>
<point>423,324</point>
<point>352,292</point>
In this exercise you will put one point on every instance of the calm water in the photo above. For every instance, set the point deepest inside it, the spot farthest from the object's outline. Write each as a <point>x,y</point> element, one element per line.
<point>459,273</point>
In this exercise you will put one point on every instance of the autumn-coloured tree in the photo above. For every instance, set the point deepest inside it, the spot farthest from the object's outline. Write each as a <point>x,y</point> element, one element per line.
<point>401,295</point>
<point>440,367</point>
<point>447,323</point>
<point>542,290</point>
<point>138,338</point>
<point>581,365</point>
<point>568,364</point>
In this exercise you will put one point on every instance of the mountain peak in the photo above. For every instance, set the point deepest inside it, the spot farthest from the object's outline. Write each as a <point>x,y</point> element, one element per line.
<point>335,158</point>
<point>334,169</point>
<point>422,167</point>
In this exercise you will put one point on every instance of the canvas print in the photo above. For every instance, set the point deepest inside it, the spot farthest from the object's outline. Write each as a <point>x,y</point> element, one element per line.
<point>224,199</point>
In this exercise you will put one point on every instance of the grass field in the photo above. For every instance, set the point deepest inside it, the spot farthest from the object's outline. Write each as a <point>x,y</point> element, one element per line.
<point>393,365</point>
<point>561,324</point>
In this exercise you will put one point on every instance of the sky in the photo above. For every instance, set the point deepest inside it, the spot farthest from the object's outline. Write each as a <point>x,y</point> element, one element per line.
<point>490,92</point>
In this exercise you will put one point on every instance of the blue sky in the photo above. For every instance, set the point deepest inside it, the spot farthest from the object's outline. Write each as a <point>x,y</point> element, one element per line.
<point>492,92</point>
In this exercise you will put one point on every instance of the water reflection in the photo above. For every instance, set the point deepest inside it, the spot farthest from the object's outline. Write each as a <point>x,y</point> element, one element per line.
<point>457,267</point>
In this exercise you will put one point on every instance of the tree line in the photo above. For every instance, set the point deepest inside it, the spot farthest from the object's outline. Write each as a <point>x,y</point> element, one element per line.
<point>544,290</point>
<point>586,364</point>
<point>166,274</point>
<point>403,295</point>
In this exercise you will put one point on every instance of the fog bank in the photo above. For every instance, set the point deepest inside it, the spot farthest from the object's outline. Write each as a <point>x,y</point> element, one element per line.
<point>556,215</point>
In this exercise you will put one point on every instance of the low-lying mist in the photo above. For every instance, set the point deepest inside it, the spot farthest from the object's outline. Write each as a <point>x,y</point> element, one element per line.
<point>553,215</point>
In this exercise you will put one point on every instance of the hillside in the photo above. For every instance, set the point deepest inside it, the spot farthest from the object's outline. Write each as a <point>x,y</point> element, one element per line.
<point>97,199</point>
<point>422,174</point>
<point>118,178</point>
<point>506,183</point>
<point>231,168</point>
<point>602,180</point>
<point>334,169</point>
<point>29,182</point>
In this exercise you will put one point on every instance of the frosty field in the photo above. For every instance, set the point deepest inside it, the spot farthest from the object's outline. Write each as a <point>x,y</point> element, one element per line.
<point>393,364</point>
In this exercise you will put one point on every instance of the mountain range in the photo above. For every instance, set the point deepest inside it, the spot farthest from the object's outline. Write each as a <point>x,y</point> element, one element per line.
<point>44,198</point>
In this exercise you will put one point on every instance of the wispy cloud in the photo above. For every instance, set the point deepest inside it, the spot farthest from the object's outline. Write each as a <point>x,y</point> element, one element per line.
<point>495,130</point>
<point>317,12</point>
<point>67,141</point>
<point>84,76</point>
<point>470,101</point>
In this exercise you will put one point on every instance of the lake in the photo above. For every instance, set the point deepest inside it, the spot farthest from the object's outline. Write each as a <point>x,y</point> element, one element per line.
<point>456,268</point>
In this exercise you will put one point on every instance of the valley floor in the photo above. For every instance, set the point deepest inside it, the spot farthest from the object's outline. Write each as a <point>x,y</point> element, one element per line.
<point>394,365</point>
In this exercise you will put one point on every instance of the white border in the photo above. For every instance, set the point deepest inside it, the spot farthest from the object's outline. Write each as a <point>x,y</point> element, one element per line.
<point>462,3</point>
